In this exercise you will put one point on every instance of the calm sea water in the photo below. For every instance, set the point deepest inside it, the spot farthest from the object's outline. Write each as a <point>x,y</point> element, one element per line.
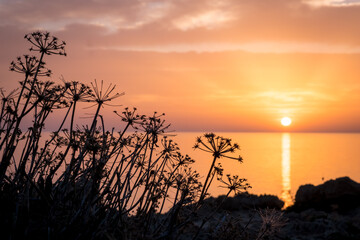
<point>278,163</point>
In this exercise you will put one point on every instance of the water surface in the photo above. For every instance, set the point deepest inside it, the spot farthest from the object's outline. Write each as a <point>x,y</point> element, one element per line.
<point>278,163</point>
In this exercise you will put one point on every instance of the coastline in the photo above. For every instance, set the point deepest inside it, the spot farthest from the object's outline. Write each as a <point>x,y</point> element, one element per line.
<point>327,211</point>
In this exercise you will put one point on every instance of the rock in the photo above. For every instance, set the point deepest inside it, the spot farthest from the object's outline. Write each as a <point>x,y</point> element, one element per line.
<point>339,194</point>
<point>264,201</point>
<point>329,211</point>
<point>246,201</point>
<point>312,215</point>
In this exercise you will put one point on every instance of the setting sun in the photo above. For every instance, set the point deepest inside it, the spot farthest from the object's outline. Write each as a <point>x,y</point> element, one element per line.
<point>285,121</point>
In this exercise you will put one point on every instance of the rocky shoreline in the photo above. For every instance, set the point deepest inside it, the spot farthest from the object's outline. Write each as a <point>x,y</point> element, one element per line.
<point>328,211</point>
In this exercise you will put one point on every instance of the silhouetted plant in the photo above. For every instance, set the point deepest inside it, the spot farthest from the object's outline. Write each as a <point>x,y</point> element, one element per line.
<point>235,184</point>
<point>46,44</point>
<point>87,181</point>
<point>219,147</point>
<point>272,222</point>
<point>29,66</point>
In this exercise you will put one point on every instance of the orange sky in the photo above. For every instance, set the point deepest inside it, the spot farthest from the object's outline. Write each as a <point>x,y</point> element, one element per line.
<point>210,65</point>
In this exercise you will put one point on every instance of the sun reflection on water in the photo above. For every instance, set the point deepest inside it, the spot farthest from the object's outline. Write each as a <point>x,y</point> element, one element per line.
<point>286,183</point>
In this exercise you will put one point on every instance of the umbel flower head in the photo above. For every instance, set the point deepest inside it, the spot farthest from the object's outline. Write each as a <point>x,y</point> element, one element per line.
<point>28,65</point>
<point>272,222</point>
<point>44,43</point>
<point>217,145</point>
<point>131,117</point>
<point>9,98</point>
<point>76,91</point>
<point>48,94</point>
<point>235,184</point>
<point>100,95</point>
<point>155,126</point>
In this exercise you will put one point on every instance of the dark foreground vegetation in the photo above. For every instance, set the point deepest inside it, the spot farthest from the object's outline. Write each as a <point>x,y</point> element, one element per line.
<point>93,181</point>
<point>131,181</point>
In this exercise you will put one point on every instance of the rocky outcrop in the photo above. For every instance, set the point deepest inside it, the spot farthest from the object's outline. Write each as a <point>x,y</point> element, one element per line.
<point>312,224</point>
<point>245,201</point>
<point>330,211</point>
<point>341,194</point>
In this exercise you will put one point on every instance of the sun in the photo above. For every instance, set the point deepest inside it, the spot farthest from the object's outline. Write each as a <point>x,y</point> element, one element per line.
<point>285,121</point>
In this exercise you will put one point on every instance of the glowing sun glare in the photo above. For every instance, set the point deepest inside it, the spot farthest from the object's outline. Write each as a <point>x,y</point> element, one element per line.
<point>285,121</point>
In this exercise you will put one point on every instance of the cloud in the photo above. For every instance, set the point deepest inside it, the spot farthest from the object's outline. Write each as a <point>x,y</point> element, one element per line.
<point>277,98</point>
<point>209,20</point>
<point>55,16</point>
<point>257,25</point>
<point>332,3</point>
<point>253,47</point>
<point>297,96</point>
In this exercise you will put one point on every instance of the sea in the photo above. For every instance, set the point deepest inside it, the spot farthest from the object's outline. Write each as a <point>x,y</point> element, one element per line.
<point>278,163</point>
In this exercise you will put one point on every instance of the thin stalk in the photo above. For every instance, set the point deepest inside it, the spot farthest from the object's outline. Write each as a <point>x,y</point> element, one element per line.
<point>203,192</point>
<point>9,150</point>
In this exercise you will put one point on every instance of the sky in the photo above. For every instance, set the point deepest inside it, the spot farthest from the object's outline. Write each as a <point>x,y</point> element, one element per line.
<point>209,65</point>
